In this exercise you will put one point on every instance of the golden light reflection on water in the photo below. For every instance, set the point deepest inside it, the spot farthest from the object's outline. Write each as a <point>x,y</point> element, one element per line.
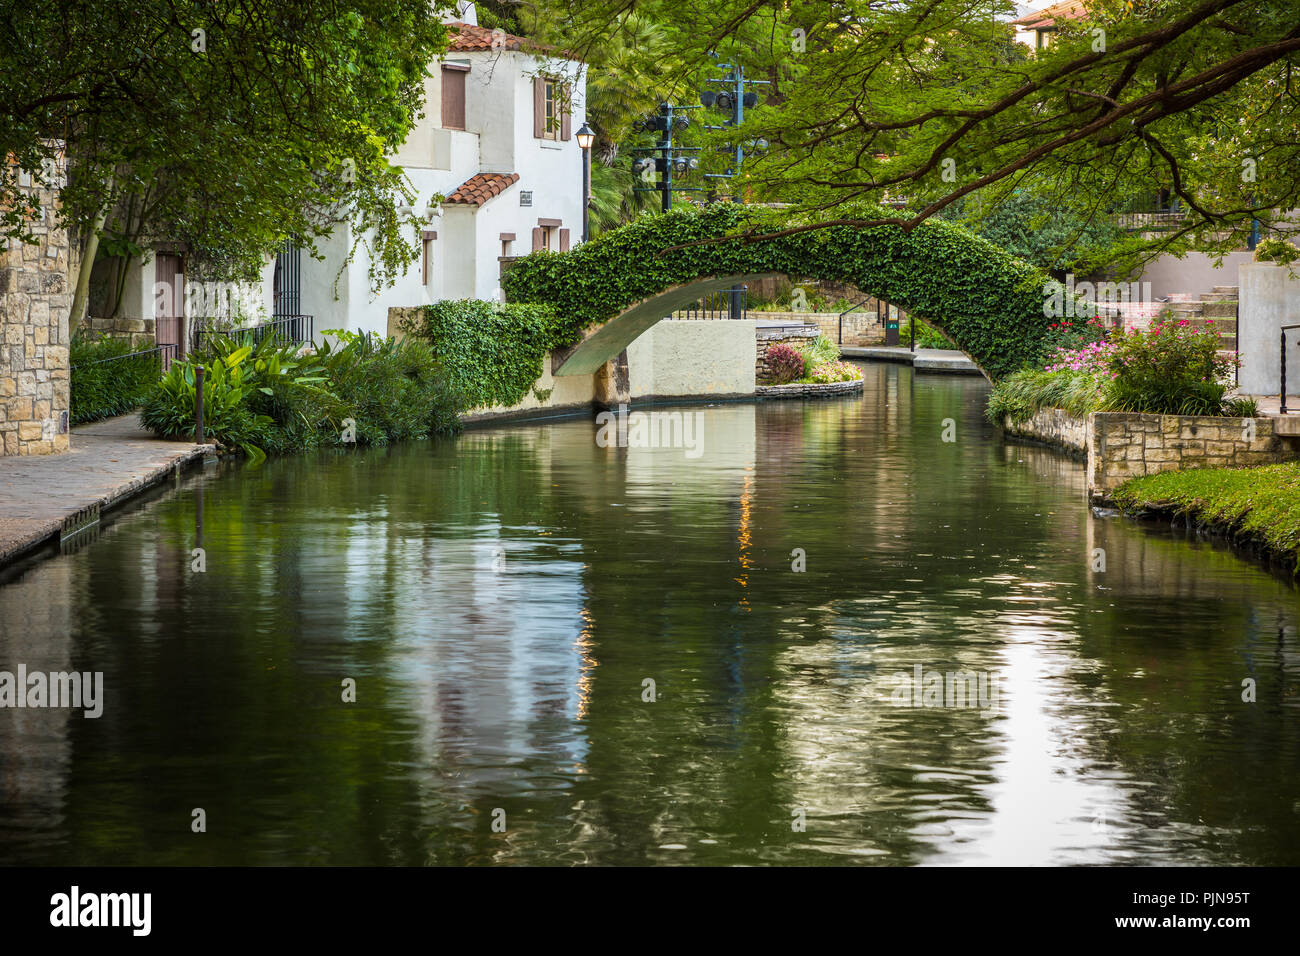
<point>587,662</point>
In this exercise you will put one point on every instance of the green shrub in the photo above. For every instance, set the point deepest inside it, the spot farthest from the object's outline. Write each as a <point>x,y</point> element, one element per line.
<point>277,398</point>
<point>818,352</point>
<point>169,410</point>
<point>491,353</point>
<point>394,391</point>
<point>107,378</point>
<point>1276,250</point>
<point>1172,369</point>
<point>927,337</point>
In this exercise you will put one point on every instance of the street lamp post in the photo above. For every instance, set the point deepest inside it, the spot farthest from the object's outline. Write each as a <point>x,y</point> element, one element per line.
<point>585,138</point>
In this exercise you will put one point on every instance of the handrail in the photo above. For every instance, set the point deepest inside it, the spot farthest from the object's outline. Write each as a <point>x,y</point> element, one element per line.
<point>1282,359</point>
<point>846,312</point>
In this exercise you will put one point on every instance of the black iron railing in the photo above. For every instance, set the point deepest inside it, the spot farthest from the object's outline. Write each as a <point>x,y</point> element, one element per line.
<point>1282,368</point>
<point>166,354</point>
<point>287,329</point>
<point>727,304</point>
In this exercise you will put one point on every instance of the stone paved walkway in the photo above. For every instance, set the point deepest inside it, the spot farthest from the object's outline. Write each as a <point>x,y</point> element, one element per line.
<point>930,360</point>
<point>110,461</point>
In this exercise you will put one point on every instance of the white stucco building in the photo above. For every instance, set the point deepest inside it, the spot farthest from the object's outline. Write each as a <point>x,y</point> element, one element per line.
<point>496,171</point>
<point>496,144</point>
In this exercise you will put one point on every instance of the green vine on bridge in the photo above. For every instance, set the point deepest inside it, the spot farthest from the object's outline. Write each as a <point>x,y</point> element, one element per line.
<point>986,302</point>
<point>491,353</point>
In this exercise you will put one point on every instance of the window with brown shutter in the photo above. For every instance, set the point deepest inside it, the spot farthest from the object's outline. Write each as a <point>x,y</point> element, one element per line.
<point>453,96</point>
<point>564,240</point>
<point>551,117</point>
<point>539,238</point>
<point>539,107</point>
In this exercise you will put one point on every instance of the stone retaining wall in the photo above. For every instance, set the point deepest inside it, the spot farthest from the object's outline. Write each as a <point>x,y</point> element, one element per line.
<point>1124,445</point>
<point>860,327</point>
<point>808,390</point>
<point>139,332</point>
<point>1054,426</point>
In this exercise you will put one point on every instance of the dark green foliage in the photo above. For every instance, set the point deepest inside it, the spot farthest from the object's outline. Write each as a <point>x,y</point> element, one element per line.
<point>1042,230</point>
<point>492,354</point>
<point>102,389</point>
<point>990,305</point>
<point>394,391</point>
<point>275,398</point>
<point>926,336</point>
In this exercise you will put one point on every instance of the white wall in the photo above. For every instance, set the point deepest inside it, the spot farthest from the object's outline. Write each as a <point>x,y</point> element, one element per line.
<point>692,359</point>
<point>1270,299</point>
<point>498,139</point>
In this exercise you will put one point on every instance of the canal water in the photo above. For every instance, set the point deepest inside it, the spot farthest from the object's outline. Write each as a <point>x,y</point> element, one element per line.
<point>823,634</point>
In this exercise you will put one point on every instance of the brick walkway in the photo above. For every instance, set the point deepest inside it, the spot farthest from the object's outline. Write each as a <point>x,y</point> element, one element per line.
<point>110,461</point>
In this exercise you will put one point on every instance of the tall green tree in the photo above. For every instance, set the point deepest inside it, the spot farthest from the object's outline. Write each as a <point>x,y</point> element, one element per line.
<point>226,124</point>
<point>893,112</point>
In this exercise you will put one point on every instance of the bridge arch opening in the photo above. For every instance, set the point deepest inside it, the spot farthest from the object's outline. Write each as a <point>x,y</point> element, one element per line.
<point>609,291</point>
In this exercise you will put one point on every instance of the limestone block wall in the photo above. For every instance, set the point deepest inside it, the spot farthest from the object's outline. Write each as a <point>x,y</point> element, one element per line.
<point>1127,445</point>
<point>35,298</point>
<point>139,332</point>
<point>1123,445</point>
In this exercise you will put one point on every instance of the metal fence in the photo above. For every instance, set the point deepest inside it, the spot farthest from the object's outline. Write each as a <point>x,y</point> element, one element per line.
<point>166,355</point>
<point>718,305</point>
<point>287,329</point>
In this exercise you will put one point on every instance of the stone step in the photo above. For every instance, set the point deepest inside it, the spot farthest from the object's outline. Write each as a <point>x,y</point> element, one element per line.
<point>1286,424</point>
<point>1213,298</point>
<point>1230,289</point>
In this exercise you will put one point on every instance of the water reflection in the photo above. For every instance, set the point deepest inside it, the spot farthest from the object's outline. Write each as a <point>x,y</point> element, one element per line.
<point>502,600</point>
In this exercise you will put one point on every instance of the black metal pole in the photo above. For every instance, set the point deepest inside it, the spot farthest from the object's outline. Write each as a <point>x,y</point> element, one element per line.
<point>738,117</point>
<point>198,404</point>
<point>586,192</point>
<point>667,149</point>
<point>1282,353</point>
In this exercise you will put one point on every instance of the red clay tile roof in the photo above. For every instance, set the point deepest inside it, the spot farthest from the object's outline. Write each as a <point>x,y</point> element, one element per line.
<point>466,37</point>
<point>1048,16</point>
<point>481,187</point>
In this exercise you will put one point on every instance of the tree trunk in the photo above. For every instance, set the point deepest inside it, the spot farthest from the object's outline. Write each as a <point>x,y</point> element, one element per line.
<point>81,297</point>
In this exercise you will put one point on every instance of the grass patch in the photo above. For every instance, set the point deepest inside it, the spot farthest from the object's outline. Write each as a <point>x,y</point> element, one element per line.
<point>1260,505</point>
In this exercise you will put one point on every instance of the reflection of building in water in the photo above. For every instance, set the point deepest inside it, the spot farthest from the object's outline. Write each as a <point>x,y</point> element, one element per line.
<point>489,643</point>
<point>35,750</point>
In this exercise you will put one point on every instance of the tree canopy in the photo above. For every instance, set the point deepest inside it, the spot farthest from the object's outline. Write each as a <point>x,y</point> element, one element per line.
<point>917,105</point>
<point>226,124</point>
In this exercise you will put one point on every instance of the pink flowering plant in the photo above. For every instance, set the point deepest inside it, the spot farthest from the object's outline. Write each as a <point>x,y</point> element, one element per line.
<point>1172,368</point>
